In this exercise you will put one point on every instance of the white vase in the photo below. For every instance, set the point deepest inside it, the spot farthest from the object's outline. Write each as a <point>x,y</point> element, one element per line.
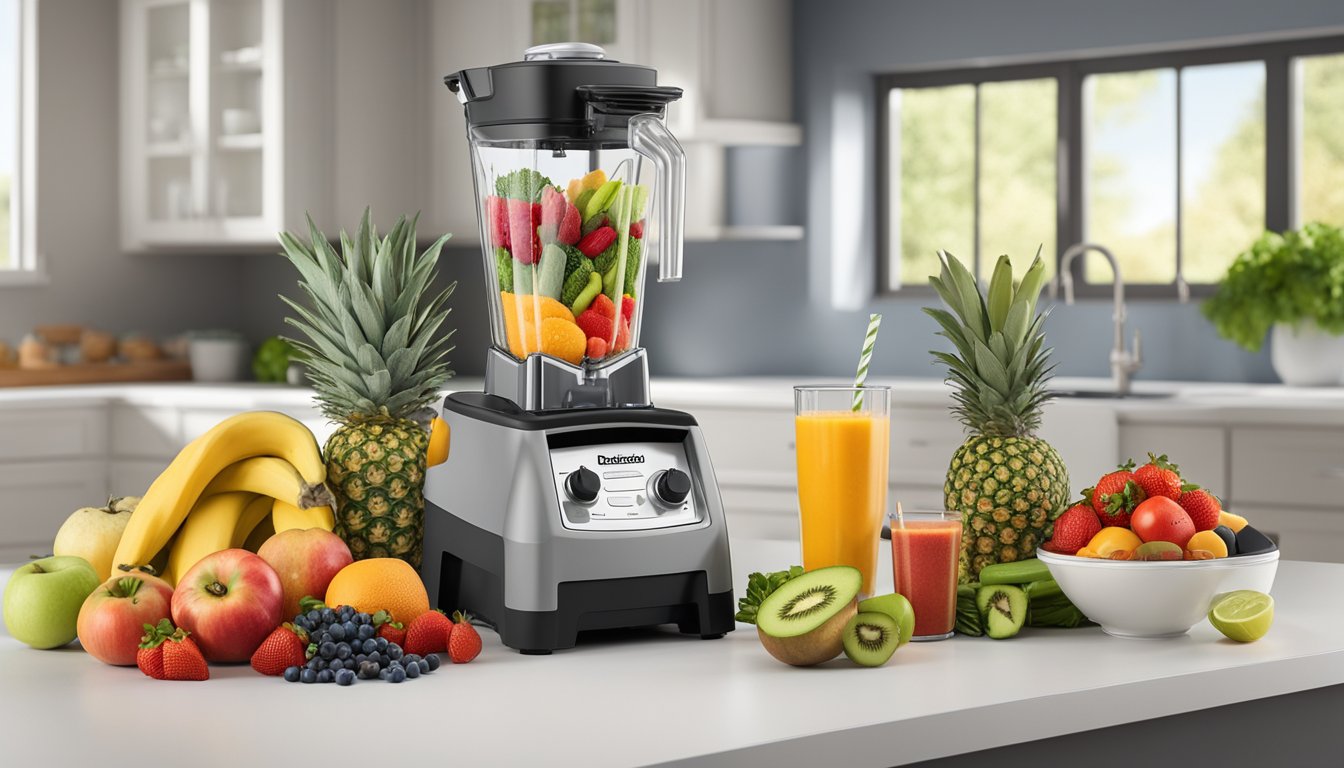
<point>1305,356</point>
<point>217,359</point>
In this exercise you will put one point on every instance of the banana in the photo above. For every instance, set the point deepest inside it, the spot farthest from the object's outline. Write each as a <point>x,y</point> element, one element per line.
<point>264,530</point>
<point>256,512</point>
<point>166,504</point>
<point>269,476</point>
<point>286,517</point>
<point>208,529</point>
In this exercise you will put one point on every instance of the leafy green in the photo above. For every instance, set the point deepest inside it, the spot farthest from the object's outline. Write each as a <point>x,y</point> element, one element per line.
<point>968,614</point>
<point>522,184</point>
<point>759,587</point>
<point>1288,278</point>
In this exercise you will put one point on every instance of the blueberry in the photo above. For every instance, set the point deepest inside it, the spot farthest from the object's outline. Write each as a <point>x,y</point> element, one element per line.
<point>370,645</point>
<point>368,670</point>
<point>433,660</point>
<point>328,615</point>
<point>349,628</point>
<point>423,666</point>
<point>320,664</point>
<point>337,665</point>
<point>360,658</point>
<point>377,658</point>
<point>345,677</point>
<point>326,676</point>
<point>382,643</point>
<point>397,675</point>
<point>301,621</point>
<point>308,676</point>
<point>342,650</point>
<point>312,663</point>
<point>292,674</point>
<point>327,650</point>
<point>337,632</point>
<point>393,651</point>
<point>383,674</point>
<point>413,671</point>
<point>410,657</point>
<point>314,616</point>
<point>365,631</point>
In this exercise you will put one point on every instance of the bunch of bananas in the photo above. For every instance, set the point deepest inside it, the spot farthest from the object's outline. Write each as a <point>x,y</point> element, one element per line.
<point>250,476</point>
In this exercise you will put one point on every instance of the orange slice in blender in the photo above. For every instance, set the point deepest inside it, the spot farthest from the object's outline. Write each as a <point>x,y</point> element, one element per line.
<point>523,321</point>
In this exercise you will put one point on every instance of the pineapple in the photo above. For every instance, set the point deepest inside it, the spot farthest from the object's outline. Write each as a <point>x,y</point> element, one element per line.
<point>1008,484</point>
<point>375,356</point>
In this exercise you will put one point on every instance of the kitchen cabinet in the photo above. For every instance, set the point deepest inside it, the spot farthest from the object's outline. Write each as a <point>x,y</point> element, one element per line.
<point>225,120</point>
<point>1200,451</point>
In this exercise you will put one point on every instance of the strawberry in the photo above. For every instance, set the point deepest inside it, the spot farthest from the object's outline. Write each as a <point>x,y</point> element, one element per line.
<point>149,657</point>
<point>1202,507</point>
<point>1115,496</point>
<point>569,226</point>
<point>597,348</point>
<point>394,631</point>
<point>597,241</point>
<point>182,659</point>
<point>498,215</point>
<point>622,341</point>
<point>428,634</point>
<point>1159,477</point>
<point>604,306</point>
<point>637,229</point>
<point>553,211</point>
<point>523,218</point>
<point>628,308</point>
<point>1074,529</point>
<point>285,647</point>
<point>595,325</point>
<point>464,642</point>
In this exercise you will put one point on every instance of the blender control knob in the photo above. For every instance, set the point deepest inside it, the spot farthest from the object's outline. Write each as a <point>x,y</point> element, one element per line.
<point>672,487</point>
<point>582,485</point>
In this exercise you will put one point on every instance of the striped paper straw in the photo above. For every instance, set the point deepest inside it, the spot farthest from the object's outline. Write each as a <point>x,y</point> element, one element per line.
<point>866,357</point>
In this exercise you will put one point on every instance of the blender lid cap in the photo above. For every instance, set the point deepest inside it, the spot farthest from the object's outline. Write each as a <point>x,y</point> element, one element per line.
<point>569,94</point>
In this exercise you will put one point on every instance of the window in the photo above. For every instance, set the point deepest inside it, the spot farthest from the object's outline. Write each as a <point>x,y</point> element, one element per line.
<point>1174,161</point>
<point>9,133</point>
<point>562,21</point>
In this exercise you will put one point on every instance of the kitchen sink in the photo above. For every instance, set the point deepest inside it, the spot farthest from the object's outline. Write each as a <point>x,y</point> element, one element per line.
<point>1101,394</point>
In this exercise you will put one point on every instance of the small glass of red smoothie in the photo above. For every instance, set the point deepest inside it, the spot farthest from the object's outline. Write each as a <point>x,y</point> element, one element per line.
<point>924,549</point>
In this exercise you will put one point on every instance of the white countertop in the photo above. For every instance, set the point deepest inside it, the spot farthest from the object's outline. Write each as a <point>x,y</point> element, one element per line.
<point>652,697</point>
<point>1185,402</point>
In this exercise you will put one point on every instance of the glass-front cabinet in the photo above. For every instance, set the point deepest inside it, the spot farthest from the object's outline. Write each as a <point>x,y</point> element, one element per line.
<point>205,119</point>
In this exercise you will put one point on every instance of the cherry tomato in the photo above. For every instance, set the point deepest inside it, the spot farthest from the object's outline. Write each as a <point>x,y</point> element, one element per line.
<point>1161,519</point>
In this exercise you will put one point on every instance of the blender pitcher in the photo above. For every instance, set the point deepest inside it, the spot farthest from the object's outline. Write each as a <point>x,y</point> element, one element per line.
<point>579,184</point>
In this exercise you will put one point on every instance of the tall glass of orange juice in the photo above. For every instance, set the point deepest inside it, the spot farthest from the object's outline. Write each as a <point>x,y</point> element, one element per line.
<point>843,435</point>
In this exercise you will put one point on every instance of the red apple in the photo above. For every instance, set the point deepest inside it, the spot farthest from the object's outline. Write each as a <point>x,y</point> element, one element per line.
<point>113,618</point>
<point>229,602</point>
<point>306,561</point>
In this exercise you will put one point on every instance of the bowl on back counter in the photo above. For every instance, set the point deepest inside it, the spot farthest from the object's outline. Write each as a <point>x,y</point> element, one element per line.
<point>1132,598</point>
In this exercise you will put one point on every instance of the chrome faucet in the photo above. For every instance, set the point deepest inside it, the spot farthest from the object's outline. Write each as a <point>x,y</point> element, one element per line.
<point>1124,363</point>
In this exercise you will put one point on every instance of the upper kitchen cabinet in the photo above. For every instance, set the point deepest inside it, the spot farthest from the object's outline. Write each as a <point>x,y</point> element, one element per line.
<point>732,59</point>
<point>225,131</point>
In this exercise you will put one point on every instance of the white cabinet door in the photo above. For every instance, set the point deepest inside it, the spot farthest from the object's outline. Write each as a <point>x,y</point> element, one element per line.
<point>53,432</point>
<point>1303,533</point>
<point>1298,467</point>
<point>39,496</point>
<point>146,431</point>
<point>132,477</point>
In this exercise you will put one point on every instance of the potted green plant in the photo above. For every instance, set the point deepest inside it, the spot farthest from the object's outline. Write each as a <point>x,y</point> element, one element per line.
<point>1292,287</point>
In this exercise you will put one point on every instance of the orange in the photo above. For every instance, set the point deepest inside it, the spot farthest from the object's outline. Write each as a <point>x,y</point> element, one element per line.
<point>523,316</point>
<point>380,583</point>
<point>1208,540</point>
<point>1111,538</point>
<point>563,339</point>
<point>437,453</point>
<point>1235,522</point>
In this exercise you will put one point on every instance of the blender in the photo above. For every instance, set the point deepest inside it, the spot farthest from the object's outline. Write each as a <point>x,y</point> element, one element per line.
<point>568,501</point>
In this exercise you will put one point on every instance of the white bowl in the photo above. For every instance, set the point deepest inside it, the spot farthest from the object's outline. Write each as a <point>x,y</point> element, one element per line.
<point>1155,598</point>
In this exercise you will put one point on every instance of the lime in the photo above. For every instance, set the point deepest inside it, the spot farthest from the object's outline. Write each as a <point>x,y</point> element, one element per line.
<point>1244,615</point>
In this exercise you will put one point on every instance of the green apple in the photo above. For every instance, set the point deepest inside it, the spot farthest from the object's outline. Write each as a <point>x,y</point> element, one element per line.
<point>43,598</point>
<point>898,608</point>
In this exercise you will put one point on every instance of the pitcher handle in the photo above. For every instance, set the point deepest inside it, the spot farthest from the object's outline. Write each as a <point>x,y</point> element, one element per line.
<point>650,138</point>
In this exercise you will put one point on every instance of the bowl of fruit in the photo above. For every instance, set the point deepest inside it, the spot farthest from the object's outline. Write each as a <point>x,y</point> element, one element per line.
<point>1145,553</point>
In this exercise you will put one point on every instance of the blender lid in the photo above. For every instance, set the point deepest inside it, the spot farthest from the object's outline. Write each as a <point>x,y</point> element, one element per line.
<point>569,94</point>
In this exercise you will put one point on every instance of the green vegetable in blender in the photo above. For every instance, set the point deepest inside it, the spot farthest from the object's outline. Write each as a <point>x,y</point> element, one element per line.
<point>577,282</point>
<point>504,269</point>
<point>575,260</point>
<point>601,199</point>
<point>524,278</point>
<point>271,362</point>
<point>551,271</point>
<point>632,267</point>
<point>604,260</point>
<point>587,295</point>
<point>759,587</point>
<point>581,201</point>
<point>522,184</point>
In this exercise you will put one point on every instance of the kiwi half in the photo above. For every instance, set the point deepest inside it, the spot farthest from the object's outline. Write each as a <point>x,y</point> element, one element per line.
<point>870,638</point>
<point>897,607</point>
<point>1003,609</point>
<point>802,623</point>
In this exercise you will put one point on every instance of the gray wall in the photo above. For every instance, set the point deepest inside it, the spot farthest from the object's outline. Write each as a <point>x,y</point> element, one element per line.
<point>840,45</point>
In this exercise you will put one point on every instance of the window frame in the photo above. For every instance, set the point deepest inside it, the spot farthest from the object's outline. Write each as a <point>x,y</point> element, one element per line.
<point>1070,200</point>
<point>30,268</point>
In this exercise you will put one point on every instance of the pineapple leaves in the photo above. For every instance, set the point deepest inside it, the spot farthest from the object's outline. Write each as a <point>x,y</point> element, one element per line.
<point>1000,293</point>
<point>973,312</point>
<point>988,367</point>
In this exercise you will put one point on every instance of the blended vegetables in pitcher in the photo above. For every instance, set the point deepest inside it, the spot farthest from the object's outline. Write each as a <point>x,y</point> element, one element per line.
<point>568,263</point>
